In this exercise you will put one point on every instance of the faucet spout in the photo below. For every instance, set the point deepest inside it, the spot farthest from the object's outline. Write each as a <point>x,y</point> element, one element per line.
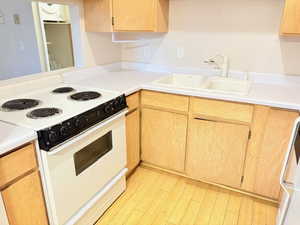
<point>221,62</point>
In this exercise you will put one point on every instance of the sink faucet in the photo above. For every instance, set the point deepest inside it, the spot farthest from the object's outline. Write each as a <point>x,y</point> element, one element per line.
<point>221,62</point>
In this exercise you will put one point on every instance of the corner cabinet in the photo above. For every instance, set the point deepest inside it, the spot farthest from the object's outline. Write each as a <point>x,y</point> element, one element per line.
<point>126,15</point>
<point>21,188</point>
<point>291,18</point>
<point>216,151</point>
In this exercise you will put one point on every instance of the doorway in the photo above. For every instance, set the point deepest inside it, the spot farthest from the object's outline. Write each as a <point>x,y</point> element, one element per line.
<point>54,33</point>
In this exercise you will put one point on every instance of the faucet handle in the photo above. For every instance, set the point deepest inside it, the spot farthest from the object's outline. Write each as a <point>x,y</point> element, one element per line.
<point>210,61</point>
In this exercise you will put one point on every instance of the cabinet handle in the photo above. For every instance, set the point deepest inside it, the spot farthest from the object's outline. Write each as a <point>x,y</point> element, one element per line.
<point>198,118</point>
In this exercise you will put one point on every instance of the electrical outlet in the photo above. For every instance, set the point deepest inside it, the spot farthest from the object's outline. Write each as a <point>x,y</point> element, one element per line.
<point>2,20</point>
<point>180,52</point>
<point>17,19</point>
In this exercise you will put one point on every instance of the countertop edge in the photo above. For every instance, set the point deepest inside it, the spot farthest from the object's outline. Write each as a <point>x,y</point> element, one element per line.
<point>16,143</point>
<point>213,96</point>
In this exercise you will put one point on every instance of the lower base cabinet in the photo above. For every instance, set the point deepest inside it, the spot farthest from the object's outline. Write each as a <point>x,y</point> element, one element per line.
<point>133,140</point>
<point>24,201</point>
<point>164,139</point>
<point>216,151</point>
<point>234,144</point>
<point>271,131</point>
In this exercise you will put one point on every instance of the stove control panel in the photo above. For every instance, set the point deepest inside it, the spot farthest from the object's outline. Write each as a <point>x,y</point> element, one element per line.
<point>55,135</point>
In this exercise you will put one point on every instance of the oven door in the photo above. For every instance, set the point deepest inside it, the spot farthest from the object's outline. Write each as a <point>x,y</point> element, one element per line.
<point>76,171</point>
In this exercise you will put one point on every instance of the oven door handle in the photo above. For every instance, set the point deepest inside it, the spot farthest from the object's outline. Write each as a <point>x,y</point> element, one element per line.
<point>89,131</point>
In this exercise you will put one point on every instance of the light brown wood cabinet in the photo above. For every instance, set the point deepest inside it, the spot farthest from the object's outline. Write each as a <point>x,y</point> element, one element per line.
<point>222,110</point>
<point>133,132</point>
<point>129,15</point>
<point>271,131</point>
<point>22,192</point>
<point>133,140</point>
<point>164,138</point>
<point>291,18</point>
<point>216,151</point>
<point>234,144</point>
<point>24,201</point>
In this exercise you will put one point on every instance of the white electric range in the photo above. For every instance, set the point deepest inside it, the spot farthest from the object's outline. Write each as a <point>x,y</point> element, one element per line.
<point>81,146</point>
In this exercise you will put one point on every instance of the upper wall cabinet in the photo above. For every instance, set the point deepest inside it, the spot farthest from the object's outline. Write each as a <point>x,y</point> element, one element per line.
<point>291,18</point>
<point>126,15</point>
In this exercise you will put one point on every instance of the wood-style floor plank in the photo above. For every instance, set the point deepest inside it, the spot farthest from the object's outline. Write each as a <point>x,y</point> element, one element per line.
<point>207,206</point>
<point>233,209</point>
<point>219,211</point>
<point>246,211</point>
<point>158,198</point>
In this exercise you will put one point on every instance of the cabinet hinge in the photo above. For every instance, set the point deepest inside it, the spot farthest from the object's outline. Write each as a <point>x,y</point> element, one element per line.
<point>242,179</point>
<point>113,21</point>
<point>249,135</point>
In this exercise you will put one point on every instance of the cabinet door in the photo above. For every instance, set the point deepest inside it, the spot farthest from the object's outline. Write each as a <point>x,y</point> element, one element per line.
<point>291,18</point>
<point>267,148</point>
<point>134,15</point>
<point>216,151</point>
<point>24,202</point>
<point>164,139</point>
<point>133,139</point>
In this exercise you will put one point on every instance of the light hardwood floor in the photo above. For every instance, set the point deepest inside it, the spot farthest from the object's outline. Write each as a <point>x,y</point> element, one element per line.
<point>157,198</point>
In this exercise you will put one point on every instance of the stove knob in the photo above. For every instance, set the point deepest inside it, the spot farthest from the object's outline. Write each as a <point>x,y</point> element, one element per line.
<point>116,103</point>
<point>53,137</point>
<point>64,130</point>
<point>80,122</point>
<point>108,109</point>
<point>121,100</point>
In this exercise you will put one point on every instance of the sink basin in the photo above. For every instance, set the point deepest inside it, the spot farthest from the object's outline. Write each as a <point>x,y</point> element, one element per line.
<point>182,81</point>
<point>203,83</point>
<point>228,85</point>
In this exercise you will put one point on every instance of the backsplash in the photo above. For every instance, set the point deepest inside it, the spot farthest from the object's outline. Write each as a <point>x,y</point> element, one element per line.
<point>246,31</point>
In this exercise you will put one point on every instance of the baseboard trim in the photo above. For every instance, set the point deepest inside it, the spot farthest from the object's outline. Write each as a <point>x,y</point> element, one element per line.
<point>151,166</point>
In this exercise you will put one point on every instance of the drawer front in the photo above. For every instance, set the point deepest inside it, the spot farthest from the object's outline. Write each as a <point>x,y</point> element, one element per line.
<point>223,110</point>
<point>166,101</point>
<point>17,163</point>
<point>133,101</point>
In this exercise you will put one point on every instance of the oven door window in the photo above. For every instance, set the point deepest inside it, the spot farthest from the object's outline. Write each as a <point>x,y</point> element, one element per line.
<point>90,154</point>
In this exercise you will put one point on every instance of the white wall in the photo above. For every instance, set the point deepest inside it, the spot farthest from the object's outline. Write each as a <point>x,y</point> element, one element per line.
<point>18,47</point>
<point>245,30</point>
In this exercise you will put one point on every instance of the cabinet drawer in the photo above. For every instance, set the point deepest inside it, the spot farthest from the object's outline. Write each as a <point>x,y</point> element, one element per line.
<point>223,110</point>
<point>133,101</point>
<point>17,163</point>
<point>167,101</point>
